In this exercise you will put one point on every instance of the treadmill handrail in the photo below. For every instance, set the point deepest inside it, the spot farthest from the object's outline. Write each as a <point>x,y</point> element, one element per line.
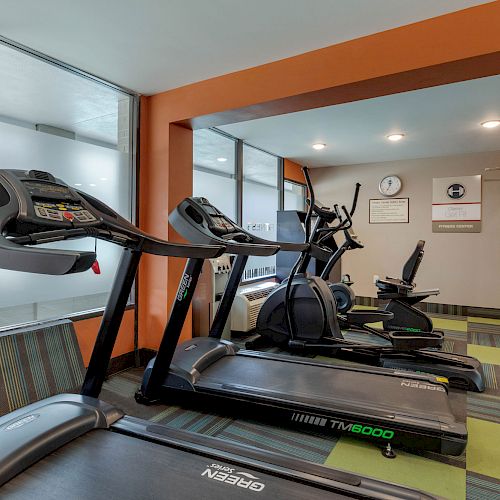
<point>237,248</point>
<point>147,243</point>
<point>16,257</point>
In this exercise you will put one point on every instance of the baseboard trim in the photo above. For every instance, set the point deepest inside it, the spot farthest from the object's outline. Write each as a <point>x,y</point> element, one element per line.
<point>145,355</point>
<point>122,362</point>
<point>128,360</point>
<point>436,308</point>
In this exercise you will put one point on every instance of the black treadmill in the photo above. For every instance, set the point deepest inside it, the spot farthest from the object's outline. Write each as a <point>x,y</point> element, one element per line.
<point>388,407</point>
<point>76,446</point>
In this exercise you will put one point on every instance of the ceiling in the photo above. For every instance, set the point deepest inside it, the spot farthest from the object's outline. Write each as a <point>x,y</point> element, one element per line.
<point>154,45</point>
<point>438,121</point>
<point>34,92</point>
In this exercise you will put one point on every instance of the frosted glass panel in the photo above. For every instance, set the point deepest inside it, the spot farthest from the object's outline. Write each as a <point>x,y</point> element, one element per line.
<point>295,195</point>
<point>260,204</point>
<point>99,171</point>
<point>77,130</point>
<point>214,170</point>
<point>220,191</point>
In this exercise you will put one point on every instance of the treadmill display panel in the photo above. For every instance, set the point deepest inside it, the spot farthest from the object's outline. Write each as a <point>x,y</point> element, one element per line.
<point>59,211</point>
<point>56,202</point>
<point>217,221</point>
<point>47,190</point>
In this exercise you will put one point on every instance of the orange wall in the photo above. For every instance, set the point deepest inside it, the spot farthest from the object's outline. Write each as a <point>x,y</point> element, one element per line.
<point>454,47</point>
<point>86,332</point>
<point>161,189</point>
<point>293,171</point>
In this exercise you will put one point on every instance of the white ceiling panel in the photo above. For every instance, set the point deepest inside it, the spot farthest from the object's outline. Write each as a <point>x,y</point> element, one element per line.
<point>154,45</point>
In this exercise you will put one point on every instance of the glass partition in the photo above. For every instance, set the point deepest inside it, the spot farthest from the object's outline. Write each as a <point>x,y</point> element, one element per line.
<point>81,132</point>
<point>260,205</point>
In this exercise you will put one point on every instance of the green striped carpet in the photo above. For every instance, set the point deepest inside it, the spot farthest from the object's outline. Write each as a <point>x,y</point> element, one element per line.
<point>119,390</point>
<point>38,363</point>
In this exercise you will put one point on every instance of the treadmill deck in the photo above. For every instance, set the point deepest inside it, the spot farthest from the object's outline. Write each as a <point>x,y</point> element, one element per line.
<point>106,465</point>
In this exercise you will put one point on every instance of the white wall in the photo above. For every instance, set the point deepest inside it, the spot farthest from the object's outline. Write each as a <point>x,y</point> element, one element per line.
<point>466,267</point>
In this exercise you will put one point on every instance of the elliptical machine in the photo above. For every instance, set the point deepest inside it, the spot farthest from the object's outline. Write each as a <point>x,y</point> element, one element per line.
<point>300,315</point>
<point>400,294</point>
<point>413,329</point>
<point>278,319</point>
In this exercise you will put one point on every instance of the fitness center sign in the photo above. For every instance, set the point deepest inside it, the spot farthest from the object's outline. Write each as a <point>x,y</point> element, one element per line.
<point>456,204</point>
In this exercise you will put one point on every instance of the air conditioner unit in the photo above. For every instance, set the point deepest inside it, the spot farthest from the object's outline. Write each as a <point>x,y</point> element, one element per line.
<point>247,304</point>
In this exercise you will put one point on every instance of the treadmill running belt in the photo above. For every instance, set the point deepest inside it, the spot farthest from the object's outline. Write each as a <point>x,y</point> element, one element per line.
<point>106,465</point>
<point>318,384</point>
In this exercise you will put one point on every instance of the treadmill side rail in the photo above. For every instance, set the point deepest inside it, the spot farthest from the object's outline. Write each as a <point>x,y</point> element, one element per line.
<point>29,434</point>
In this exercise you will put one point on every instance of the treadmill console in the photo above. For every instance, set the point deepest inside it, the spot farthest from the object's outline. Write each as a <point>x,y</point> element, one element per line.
<point>203,213</point>
<point>48,202</point>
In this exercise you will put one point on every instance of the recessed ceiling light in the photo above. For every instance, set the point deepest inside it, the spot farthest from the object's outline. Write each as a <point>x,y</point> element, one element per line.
<point>491,124</point>
<point>319,146</point>
<point>222,159</point>
<point>92,185</point>
<point>103,179</point>
<point>395,137</point>
<point>78,184</point>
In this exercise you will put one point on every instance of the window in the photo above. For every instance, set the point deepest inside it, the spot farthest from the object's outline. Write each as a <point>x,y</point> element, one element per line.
<point>295,196</point>
<point>80,131</point>
<point>214,170</point>
<point>215,167</point>
<point>260,204</point>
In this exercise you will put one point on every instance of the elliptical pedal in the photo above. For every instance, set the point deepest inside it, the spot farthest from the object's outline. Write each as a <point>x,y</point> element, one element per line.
<point>411,341</point>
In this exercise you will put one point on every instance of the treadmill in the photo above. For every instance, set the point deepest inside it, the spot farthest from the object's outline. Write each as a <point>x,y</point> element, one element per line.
<point>76,446</point>
<point>388,407</point>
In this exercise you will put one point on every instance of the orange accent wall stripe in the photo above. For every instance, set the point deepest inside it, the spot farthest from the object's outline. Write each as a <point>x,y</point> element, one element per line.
<point>86,333</point>
<point>293,171</point>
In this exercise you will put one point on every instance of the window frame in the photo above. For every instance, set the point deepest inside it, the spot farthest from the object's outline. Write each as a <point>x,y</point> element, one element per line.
<point>302,185</point>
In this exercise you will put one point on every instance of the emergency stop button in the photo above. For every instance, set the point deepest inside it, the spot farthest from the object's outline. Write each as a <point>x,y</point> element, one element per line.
<point>69,216</point>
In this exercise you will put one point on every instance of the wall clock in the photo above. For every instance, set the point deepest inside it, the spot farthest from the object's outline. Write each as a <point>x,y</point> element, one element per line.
<point>390,185</point>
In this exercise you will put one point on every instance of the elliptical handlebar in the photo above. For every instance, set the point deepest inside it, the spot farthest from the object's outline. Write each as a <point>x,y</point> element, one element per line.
<point>344,223</point>
<point>347,223</point>
<point>330,215</point>
<point>312,201</point>
<point>337,213</point>
<point>355,199</point>
<point>302,257</point>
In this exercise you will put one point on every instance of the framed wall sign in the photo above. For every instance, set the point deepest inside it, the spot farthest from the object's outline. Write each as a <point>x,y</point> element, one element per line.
<point>389,211</point>
<point>456,204</point>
